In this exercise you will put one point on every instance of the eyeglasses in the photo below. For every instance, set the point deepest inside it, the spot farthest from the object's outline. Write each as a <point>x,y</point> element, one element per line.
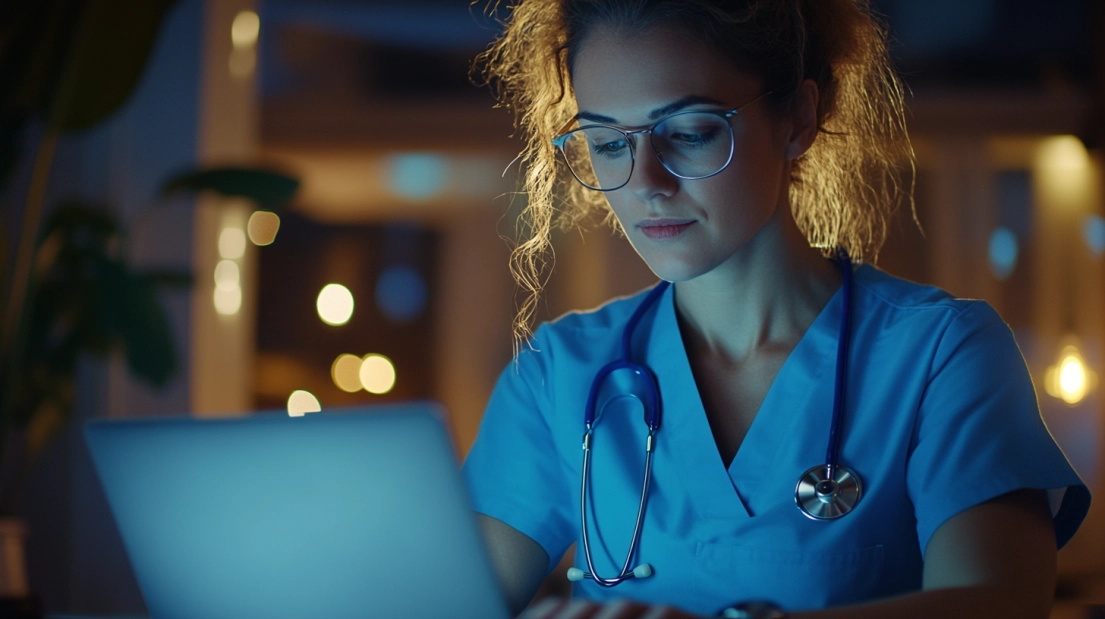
<point>691,145</point>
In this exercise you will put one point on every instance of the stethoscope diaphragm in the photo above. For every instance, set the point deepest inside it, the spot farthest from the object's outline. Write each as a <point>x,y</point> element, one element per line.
<point>824,495</point>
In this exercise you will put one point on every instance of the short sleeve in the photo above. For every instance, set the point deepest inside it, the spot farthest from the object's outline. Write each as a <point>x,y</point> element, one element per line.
<point>979,433</point>
<point>514,473</point>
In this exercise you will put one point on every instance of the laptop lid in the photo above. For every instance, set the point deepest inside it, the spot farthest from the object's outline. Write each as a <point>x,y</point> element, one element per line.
<point>354,513</point>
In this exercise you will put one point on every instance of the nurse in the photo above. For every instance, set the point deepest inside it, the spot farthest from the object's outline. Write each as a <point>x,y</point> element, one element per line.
<point>748,150</point>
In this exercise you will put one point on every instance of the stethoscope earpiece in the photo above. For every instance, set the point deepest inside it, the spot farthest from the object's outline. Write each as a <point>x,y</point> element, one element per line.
<point>643,570</point>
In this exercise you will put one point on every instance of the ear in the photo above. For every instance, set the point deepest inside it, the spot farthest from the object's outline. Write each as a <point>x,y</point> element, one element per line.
<point>803,126</point>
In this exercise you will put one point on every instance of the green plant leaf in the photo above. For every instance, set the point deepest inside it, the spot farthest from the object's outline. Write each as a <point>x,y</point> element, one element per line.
<point>89,52</point>
<point>268,188</point>
<point>134,314</point>
<point>86,299</point>
<point>80,222</point>
<point>112,47</point>
<point>147,336</point>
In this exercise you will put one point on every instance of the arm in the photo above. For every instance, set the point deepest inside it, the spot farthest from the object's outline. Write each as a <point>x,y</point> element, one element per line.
<point>519,562</point>
<point>996,559</point>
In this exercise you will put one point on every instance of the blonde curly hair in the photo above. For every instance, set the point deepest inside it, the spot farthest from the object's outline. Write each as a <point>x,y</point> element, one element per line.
<point>843,189</point>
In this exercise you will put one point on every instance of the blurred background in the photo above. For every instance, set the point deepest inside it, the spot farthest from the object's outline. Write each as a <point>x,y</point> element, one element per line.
<point>366,259</point>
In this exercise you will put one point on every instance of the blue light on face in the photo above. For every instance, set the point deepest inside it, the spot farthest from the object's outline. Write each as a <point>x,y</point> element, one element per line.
<point>401,293</point>
<point>417,176</point>
<point>1093,232</point>
<point>1003,252</point>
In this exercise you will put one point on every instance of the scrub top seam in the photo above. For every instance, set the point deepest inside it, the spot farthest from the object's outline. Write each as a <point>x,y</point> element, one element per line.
<point>951,304</point>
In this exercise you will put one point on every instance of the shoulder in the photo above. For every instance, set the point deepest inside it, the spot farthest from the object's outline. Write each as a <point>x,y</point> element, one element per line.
<point>579,337</point>
<point>920,330</point>
<point>904,304</point>
<point>612,314</point>
<point>589,326</point>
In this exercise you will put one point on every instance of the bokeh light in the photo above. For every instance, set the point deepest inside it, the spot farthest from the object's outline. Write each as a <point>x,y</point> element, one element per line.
<point>1063,171</point>
<point>262,227</point>
<point>1069,380</point>
<point>1072,379</point>
<point>228,300</point>
<point>417,176</point>
<point>401,293</point>
<point>245,29</point>
<point>377,374</point>
<point>335,304</point>
<point>227,275</point>
<point>346,372</point>
<point>232,243</point>
<point>302,402</point>
<point>1003,252</point>
<point>1093,232</point>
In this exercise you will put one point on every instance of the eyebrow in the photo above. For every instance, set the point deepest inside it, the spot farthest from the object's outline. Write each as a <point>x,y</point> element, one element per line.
<point>658,113</point>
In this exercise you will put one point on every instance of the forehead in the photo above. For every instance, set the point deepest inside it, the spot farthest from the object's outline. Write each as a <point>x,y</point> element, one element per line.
<point>625,75</point>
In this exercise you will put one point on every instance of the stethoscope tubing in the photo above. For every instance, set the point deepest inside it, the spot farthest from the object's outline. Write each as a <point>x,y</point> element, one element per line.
<point>829,506</point>
<point>833,448</point>
<point>652,419</point>
<point>625,573</point>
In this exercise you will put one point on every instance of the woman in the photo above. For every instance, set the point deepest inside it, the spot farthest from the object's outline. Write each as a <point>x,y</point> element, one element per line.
<point>748,151</point>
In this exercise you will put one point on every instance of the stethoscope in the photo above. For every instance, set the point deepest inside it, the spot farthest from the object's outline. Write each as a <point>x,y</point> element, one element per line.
<point>824,492</point>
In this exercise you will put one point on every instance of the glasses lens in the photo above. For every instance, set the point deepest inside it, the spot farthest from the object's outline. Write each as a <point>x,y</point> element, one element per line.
<point>694,145</point>
<point>600,157</point>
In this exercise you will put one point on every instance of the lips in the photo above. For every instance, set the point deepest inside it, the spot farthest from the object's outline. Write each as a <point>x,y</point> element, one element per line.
<point>661,229</point>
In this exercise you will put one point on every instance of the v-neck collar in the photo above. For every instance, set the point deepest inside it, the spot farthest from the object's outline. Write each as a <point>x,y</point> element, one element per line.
<point>715,491</point>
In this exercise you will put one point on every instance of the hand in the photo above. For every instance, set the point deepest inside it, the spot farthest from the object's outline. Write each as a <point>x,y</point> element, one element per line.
<point>560,608</point>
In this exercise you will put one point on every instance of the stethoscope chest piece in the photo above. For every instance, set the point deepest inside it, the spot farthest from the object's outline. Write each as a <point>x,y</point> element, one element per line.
<point>822,494</point>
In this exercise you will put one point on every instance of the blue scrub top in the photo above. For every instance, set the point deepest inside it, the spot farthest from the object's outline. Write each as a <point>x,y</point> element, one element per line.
<point>940,415</point>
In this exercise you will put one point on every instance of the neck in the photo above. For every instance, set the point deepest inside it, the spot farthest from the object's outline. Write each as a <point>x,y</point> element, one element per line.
<point>762,299</point>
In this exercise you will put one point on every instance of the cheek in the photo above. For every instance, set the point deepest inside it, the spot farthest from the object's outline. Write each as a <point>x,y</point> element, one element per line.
<point>753,179</point>
<point>616,203</point>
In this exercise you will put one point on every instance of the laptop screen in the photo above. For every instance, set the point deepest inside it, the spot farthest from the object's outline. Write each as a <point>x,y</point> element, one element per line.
<point>357,513</point>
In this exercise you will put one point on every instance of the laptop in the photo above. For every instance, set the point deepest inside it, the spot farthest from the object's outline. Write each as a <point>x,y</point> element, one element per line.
<point>340,514</point>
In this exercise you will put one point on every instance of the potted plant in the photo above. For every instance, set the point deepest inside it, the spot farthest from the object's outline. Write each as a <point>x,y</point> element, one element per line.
<point>66,288</point>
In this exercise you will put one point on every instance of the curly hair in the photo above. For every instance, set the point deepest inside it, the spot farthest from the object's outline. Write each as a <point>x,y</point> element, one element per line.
<point>843,189</point>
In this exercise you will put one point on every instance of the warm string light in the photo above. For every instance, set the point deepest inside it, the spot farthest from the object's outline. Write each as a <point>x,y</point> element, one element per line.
<point>334,304</point>
<point>262,227</point>
<point>227,295</point>
<point>346,372</point>
<point>374,373</point>
<point>1069,379</point>
<point>244,32</point>
<point>1064,176</point>
<point>301,402</point>
<point>377,374</point>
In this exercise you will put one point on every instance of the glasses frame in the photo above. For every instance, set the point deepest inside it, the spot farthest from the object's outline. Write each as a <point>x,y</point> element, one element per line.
<point>629,133</point>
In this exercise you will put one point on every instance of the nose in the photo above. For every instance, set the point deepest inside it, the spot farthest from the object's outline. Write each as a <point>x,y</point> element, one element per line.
<point>650,179</point>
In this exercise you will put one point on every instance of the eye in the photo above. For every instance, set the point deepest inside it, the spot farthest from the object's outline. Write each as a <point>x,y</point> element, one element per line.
<point>691,131</point>
<point>605,142</point>
<point>610,149</point>
<point>691,140</point>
